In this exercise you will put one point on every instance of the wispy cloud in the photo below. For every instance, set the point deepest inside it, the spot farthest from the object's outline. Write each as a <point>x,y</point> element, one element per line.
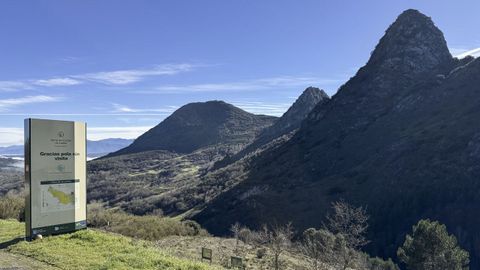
<point>118,108</point>
<point>462,53</point>
<point>121,77</point>
<point>57,82</point>
<point>116,77</point>
<point>7,86</point>
<point>248,85</point>
<point>69,59</point>
<point>6,104</point>
<point>259,107</point>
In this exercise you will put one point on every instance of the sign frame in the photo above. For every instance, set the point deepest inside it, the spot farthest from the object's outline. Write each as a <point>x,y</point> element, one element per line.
<point>31,231</point>
<point>236,262</point>
<point>207,254</point>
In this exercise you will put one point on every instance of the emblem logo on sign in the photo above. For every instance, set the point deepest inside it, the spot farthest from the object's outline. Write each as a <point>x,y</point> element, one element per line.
<point>61,134</point>
<point>61,167</point>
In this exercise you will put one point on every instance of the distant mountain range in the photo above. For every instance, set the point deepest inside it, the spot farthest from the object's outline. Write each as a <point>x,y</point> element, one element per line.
<point>94,148</point>
<point>13,150</point>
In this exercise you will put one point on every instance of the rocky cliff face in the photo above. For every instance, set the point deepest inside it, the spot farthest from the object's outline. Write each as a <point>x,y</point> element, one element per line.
<point>399,138</point>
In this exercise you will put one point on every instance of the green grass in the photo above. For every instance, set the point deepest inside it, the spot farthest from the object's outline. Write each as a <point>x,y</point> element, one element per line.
<point>11,229</point>
<point>152,172</point>
<point>92,249</point>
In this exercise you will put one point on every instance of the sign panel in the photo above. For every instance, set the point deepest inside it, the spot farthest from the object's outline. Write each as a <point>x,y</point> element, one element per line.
<point>206,254</point>
<point>55,176</point>
<point>236,262</point>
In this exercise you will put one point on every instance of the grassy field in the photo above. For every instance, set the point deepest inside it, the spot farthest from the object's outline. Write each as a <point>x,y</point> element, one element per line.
<point>87,249</point>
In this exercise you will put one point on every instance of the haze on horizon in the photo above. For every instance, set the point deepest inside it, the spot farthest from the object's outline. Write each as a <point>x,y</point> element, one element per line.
<point>124,67</point>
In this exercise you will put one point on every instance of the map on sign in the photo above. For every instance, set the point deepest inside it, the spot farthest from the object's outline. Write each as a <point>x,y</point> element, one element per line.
<point>59,195</point>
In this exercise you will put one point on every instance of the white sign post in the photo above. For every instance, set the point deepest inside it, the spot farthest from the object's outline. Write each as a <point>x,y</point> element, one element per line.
<point>55,177</point>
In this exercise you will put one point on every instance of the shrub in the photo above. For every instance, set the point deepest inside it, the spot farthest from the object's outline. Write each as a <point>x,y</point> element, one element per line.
<point>261,252</point>
<point>12,206</point>
<point>147,227</point>
<point>380,264</point>
<point>193,228</point>
<point>246,235</point>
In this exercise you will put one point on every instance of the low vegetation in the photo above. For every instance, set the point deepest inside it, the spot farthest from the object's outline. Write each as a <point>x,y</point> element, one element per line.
<point>92,249</point>
<point>12,206</point>
<point>149,227</point>
<point>123,241</point>
<point>10,181</point>
<point>141,183</point>
<point>153,241</point>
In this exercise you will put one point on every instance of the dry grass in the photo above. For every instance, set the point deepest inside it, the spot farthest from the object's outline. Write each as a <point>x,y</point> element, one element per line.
<point>223,249</point>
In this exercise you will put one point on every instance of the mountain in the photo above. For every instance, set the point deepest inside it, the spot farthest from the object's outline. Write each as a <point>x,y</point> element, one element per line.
<point>13,150</point>
<point>290,121</point>
<point>149,173</point>
<point>400,138</point>
<point>229,171</point>
<point>202,124</point>
<point>94,148</point>
<point>105,146</point>
<point>294,116</point>
<point>182,183</point>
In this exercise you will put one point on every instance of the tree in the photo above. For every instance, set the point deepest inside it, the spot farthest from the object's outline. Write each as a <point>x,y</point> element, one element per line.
<point>318,246</point>
<point>348,225</point>
<point>338,244</point>
<point>430,247</point>
<point>235,229</point>
<point>277,240</point>
<point>350,222</point>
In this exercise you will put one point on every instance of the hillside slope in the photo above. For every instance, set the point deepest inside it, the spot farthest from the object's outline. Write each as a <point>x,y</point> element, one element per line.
<point>87,249</point>
<point>288,122</point>
<point>399,138</point>
<point>198,125</point>
<point>176,182</point>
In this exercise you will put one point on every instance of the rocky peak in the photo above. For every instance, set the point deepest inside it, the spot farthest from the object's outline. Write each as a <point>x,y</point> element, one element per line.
<point>310,96</point>
<point>412,45</point>
<point>302,107</point>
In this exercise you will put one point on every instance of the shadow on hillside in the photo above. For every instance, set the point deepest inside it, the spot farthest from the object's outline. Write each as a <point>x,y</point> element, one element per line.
<point>6,244</point>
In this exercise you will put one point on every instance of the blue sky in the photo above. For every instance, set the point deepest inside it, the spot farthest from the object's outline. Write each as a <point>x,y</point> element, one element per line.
<point>123,66</point>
